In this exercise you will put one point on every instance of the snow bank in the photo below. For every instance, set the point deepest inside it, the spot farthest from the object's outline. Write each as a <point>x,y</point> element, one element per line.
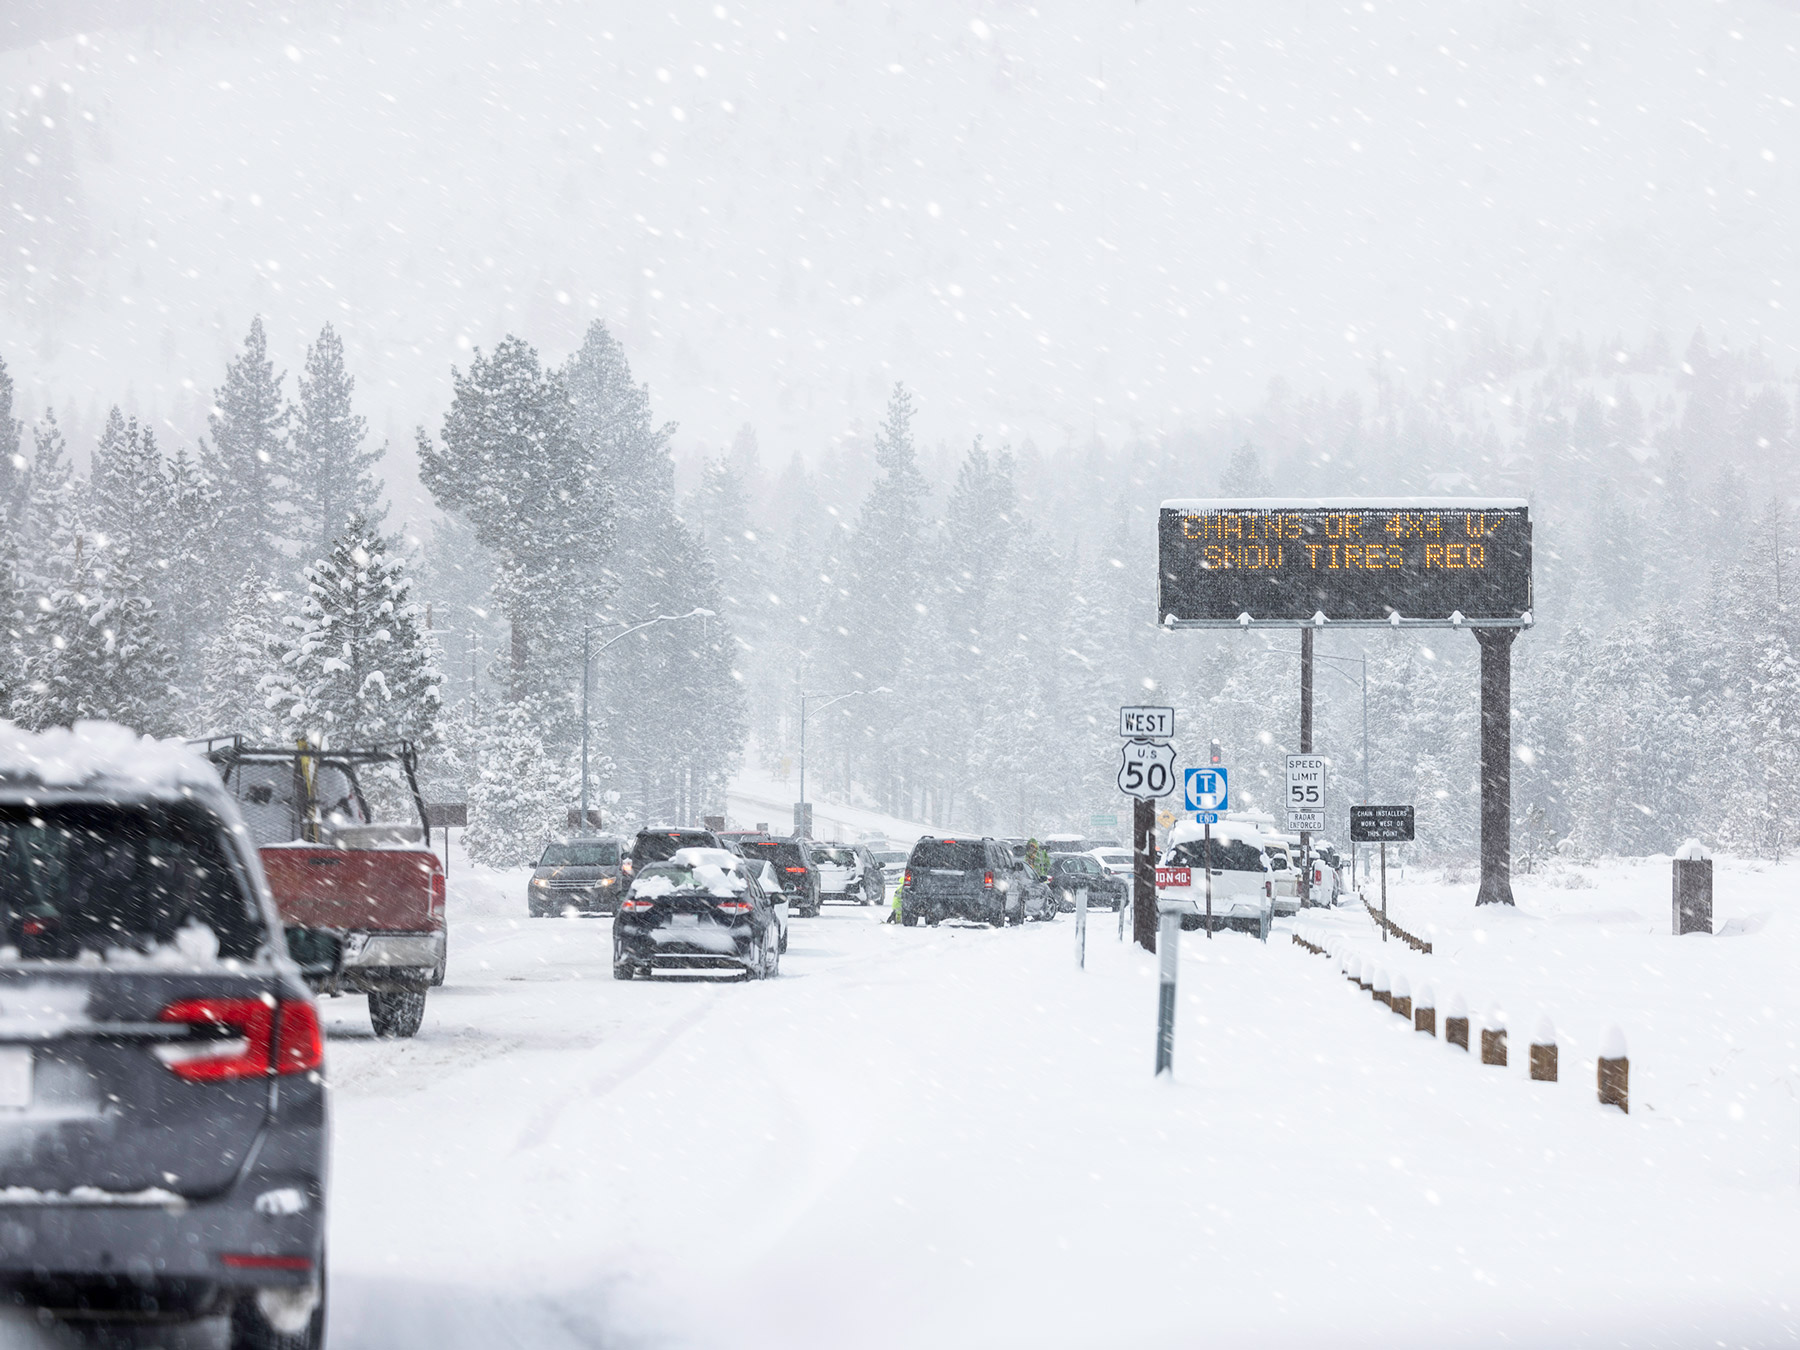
<point>1612,1045</point>
<point>99,752</point>
<point>1545,1033</point>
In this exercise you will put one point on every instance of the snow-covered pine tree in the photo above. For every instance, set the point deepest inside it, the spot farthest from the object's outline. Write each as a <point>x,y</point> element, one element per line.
<point>235,663</point>
<point>180,568</point>
<point>359,665</point>
<point>332,477</point>
<point>514,466</point>
<point>245,462</point>
<point>520,793</point>
<point>128,493</point>
<point>92,650</point>
<point>15,477</point>
<point>50,500</point>
<point>886,585</point>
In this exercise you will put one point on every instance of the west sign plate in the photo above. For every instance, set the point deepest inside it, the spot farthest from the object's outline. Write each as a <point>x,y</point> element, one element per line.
<point>1290,561</point>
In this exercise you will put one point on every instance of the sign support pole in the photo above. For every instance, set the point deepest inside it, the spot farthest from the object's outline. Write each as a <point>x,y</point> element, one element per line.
<point>1306,748</point>
<point>1496,765</point>
<point>1384,892</point>
<point>1208,857</point>
<point>1143,879</point>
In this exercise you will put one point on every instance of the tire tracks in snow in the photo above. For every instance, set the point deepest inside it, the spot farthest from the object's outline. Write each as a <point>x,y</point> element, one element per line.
<point>537,1130</point>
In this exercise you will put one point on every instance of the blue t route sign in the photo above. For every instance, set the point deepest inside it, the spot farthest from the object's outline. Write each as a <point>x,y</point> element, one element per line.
<point>1207,789</point>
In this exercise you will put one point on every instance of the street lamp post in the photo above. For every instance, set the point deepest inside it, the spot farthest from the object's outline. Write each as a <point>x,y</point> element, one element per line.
<point>588,652</point>
<point>800,825</point>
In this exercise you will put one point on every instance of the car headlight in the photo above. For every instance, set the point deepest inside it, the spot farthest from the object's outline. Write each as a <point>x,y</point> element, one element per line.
<point>539,882</point>
<point>608,881</point>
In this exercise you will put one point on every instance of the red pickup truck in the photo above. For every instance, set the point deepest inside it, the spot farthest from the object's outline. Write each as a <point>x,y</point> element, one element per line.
<point>360,892</point>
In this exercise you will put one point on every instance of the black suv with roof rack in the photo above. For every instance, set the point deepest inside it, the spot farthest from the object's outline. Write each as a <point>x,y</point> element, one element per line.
<point>792,860</point>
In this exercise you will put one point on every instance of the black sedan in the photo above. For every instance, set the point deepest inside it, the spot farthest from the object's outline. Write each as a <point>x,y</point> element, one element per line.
<point>1069,872</point>
<point>691,915</point>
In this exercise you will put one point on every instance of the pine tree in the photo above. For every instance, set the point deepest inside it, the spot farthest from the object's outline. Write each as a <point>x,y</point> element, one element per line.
<point>247,456</point>
<point>93,650</point>
<point>513,465</point>
<point>333,478</point>
<point>518,800</point>
<point>359,666</point>
<point>15,478</point>
<point>237,662</point>
<point>129,494</point>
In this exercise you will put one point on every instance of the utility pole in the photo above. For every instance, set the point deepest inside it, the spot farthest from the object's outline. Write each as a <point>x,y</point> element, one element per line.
<point>1306,748</point>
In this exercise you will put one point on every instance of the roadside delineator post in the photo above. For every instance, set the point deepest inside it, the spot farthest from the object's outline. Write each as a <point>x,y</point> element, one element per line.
<point>1081,908</point>
<point>1168,949</point>
<point>1381,990</point>
<point>1353,971</point>
<point>1401,998</point>
<point>1425,1011</point>
<point>1543,1052</point>
<point>1456,1022</point>
<point>1615,1071</point>
<point>1493,1038</point>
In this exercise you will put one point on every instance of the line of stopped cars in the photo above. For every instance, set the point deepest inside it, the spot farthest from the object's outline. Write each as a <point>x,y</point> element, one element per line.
<point>700,899</point>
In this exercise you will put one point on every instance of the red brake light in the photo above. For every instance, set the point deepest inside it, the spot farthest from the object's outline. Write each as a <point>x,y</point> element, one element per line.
<point>299,1044</point>
<point>437,893</point>
<point>734,906</point>
<point>245,1055</point>
<point>987,879</point>
<point>797,869</point>
<point>630,906</point>
<point>908,880</point>
<point>257,1261</point>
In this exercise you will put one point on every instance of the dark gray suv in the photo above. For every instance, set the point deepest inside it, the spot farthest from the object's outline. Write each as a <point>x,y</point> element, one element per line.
<point>580,874</point>
<point>163,1131</point>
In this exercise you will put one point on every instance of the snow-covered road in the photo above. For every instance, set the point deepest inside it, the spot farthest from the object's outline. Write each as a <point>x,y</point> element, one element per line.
<point>949,1137</point>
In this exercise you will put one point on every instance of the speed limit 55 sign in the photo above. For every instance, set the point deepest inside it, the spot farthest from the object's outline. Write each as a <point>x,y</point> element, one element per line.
<point>1146,769</point>
<point>1306,792</point>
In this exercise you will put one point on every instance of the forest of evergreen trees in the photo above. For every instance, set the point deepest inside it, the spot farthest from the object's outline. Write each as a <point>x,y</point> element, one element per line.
<point>1002,595</point>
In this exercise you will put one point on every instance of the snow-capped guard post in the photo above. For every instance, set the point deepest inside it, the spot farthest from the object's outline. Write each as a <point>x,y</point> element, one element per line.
<point>1693,889</point>
<point>1418,562</point>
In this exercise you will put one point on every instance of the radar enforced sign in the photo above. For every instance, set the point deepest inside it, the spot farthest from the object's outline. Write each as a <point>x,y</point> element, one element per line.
<point>1429,561</point>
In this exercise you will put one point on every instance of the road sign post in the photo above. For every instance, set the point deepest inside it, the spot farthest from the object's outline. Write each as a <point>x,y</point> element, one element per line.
<point>1381,825</point>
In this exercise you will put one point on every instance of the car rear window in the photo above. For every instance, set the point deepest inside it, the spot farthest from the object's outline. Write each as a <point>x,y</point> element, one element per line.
<point>663,845</point>
<point>963,855</point>
<point>587,853</point>
<point>834,857</point>
<point>118,880</point>
<point>780,852</point>
<point>1228,855</point>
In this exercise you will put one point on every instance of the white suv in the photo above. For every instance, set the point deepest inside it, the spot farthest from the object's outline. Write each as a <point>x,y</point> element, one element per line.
<point>1243,884</point>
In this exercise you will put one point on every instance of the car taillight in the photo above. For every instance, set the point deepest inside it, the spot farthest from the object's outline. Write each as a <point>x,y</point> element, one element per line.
<point>218,1057</point>
<point>907,879</point>
<point>630,906</point>
<point>437,895</point>
<point>800,870</point>
<point>987,880</point>
<point>261,1261</point>
<point>734,906</point>
<point>299,1044</point>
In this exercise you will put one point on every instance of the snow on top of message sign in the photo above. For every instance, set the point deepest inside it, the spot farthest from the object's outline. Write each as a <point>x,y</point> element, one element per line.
<point>96,752</point>
<point>1195,504</point>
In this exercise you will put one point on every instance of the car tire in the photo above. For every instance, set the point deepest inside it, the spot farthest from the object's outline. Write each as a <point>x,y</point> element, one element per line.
<point>774,960</point>
<point>396,1013</point>
<point>250,1329</point>
<point>443,969</point>
<point>910,920</point>
<point>623,970</point>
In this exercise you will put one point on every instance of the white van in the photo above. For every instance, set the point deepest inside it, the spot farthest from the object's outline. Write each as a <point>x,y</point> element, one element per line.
<point>1243,882</point>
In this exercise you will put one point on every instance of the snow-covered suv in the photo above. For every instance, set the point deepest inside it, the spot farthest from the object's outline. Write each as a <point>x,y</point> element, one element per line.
<point>1243,890</point>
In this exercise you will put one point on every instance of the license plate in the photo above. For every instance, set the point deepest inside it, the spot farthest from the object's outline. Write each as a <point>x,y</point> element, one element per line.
<point>15,1077</point>
<point>686,921</point>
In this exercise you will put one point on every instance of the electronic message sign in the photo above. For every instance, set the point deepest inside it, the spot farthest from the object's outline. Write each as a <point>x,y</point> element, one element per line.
<point>1431,561</point>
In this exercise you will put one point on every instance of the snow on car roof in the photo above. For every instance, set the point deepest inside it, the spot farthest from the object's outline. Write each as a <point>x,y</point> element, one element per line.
<point>94,753</point>
<point>1188,830</point>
